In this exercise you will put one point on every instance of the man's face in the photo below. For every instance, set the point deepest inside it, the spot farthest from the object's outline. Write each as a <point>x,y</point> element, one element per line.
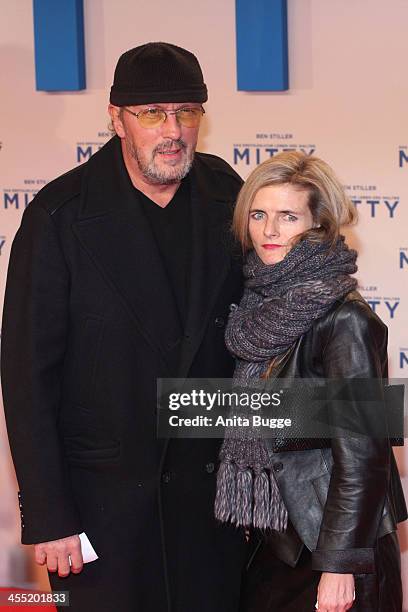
<point>162,155</point>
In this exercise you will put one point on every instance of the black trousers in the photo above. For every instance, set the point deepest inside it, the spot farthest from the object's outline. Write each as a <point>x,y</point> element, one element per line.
<point>273,586</point>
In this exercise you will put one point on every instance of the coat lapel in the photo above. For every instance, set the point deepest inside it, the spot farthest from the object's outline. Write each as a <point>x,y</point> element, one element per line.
<point>115,233</point>
<point>211,218</point>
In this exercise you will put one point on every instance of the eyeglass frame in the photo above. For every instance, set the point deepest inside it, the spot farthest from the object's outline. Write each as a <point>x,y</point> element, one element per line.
<point>166,113</point>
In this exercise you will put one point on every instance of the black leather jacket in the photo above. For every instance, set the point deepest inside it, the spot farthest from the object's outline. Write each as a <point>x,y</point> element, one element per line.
<point>342,498</point>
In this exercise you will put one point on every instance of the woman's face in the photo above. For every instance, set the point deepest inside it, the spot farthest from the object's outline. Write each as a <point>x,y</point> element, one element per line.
<point>278,214</point>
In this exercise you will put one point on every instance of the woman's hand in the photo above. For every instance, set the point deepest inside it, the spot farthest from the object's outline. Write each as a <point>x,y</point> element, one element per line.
<point>335,592</point>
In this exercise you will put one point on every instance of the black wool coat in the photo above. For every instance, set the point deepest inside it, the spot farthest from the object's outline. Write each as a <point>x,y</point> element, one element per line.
<point>90,323</point>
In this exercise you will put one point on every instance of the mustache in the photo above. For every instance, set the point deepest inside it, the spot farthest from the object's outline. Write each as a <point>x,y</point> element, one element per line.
<point>170,145</point>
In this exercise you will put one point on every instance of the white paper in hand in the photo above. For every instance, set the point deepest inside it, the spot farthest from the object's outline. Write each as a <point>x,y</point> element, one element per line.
<point>88,552</point>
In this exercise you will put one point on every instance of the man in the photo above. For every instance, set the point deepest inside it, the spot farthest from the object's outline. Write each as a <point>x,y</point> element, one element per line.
<point>122,273</point>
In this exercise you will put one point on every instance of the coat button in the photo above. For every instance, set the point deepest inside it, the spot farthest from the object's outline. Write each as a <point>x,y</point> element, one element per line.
<point>278,466</point>
<point>219,322</point>
<point>166,477</point>
<point>210,467</point>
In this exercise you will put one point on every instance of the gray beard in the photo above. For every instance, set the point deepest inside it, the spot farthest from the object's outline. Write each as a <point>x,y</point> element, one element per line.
<point>164,176</point>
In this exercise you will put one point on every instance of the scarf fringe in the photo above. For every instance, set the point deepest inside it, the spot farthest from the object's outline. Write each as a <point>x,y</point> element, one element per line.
<point>278,514</point>
<point>248,497</point>
<point>225,498</point>
<point>261,516</point>
<point>243,505</point>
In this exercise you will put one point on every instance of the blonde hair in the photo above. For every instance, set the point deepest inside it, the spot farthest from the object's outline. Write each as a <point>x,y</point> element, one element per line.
<point>330,206</point>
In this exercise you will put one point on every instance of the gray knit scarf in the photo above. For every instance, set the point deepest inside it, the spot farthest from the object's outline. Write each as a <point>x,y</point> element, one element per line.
<point>280,303</point>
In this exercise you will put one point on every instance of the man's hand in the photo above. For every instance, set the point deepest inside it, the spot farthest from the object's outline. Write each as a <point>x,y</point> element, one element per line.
<point>55,555</point>
<point>335,592</point>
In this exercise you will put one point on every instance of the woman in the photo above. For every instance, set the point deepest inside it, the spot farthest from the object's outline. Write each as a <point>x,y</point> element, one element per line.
<point>327,509</point>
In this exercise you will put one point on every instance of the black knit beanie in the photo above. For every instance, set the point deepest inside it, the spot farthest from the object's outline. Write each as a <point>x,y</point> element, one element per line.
<point>157,72</point>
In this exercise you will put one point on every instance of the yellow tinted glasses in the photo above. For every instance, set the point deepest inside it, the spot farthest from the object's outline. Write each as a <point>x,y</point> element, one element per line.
<point>154,117</point>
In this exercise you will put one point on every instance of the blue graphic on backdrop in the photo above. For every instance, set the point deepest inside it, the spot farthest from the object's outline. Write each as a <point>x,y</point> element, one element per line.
<point>403,258</point>
<point>261,29</point>
<point>267,145</point>
<point>384,306</point>
<point>370,204</point>
<point>19,197</point>
<point>85,149</point>
<point>403,156</point>
<point>403,358</point>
